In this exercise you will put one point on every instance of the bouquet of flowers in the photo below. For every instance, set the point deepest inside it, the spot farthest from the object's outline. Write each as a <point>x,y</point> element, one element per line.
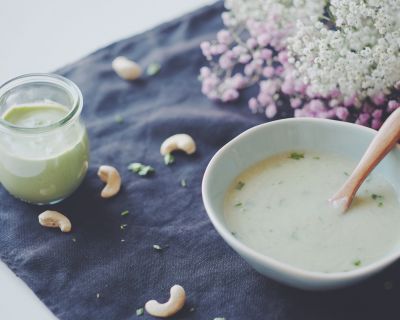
<point>336,59</point>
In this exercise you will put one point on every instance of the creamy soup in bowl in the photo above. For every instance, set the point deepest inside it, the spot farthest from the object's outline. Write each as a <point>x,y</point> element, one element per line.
<point>266,193</point>
<point>279,208</point>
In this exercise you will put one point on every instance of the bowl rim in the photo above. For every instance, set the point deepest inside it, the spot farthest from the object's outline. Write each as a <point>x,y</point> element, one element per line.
<point>268,261</point>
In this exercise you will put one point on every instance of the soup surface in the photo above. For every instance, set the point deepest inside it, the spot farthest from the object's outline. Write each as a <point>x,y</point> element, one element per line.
<point>279,208</point>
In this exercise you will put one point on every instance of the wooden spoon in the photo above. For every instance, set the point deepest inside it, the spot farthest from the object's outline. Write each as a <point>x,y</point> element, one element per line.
<point>383,142</point>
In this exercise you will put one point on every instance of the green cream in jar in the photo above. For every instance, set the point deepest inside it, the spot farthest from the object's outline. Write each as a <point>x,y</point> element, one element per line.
<point>44,149</point>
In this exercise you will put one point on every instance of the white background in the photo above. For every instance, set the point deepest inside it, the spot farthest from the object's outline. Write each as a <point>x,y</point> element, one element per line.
<point>43,35</point>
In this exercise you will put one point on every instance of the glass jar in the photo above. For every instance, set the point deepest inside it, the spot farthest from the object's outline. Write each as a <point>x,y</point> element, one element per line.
<point>44,148</point>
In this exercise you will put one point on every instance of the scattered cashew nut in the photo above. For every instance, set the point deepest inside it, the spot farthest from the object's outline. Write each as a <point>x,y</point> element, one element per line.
<point>54,219</point>
<point>126,69</point>
<point>172,306</point>
<point>181,141</point>
<point>110,176</point>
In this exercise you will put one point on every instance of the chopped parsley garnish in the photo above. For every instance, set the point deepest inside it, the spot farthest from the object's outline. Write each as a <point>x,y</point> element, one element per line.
<point>123,226</point>
<point>233,233</point>
<point>379,198</point>
<point>125,213</point>
<point>139,312</point>
<point>169,159</point>
<point>296,156</point>
<point>376,196</point>
<point>183,183</point>
<point>357,263</point>
<point>345,173</point>
<point>141,169</point>
<point>239,204</point>
<point>157,247</point>
<point>316,158</point>
<point>119,119</point>
<point>153,68</point>
<point>240,185</point>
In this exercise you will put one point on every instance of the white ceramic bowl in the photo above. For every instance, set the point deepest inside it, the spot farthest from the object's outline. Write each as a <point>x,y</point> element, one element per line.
<point>262,141</point>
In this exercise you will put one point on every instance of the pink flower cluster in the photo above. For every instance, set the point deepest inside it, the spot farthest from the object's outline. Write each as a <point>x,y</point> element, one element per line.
<point>258,56</point>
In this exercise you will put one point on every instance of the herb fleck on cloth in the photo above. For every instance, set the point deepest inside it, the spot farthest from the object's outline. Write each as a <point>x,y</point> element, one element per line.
<point>108,273</point>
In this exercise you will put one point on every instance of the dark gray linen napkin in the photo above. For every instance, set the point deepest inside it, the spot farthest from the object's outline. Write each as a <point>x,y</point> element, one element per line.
<point>98,276</point>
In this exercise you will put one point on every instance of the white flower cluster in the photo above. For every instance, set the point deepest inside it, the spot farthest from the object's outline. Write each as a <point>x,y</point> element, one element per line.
<point>284,13</point>
<point>356,52</point>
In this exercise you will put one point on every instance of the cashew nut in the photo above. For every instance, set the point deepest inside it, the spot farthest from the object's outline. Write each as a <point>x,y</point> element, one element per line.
<point>110,176</point>
<point>54,219</point>
<point>126,69</point>
<point>181,141</point>
<point>172,306</point>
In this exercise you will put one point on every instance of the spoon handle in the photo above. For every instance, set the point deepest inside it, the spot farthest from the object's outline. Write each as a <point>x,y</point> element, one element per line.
<point>383,142</point>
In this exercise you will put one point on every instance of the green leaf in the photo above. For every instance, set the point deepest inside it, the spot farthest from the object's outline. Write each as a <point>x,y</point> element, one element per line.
<point>145,170</point>
<point>135,166</point>
<point>296,156</point>
<point>357,263</point>
<point>169,159</point>
<point>153,68</point>
<point>125,213</point>
<point>239,204</point>
<point>240,185</point>
<point>141,169</point>
<point>376,196</point>
<point>157,247</point>
<point>139,312</point>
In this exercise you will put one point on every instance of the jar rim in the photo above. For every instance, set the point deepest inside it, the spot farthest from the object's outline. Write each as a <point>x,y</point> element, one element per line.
<point>50,78</point>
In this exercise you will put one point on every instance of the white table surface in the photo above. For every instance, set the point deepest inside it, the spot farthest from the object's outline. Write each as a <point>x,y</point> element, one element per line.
<point>43,35</point>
